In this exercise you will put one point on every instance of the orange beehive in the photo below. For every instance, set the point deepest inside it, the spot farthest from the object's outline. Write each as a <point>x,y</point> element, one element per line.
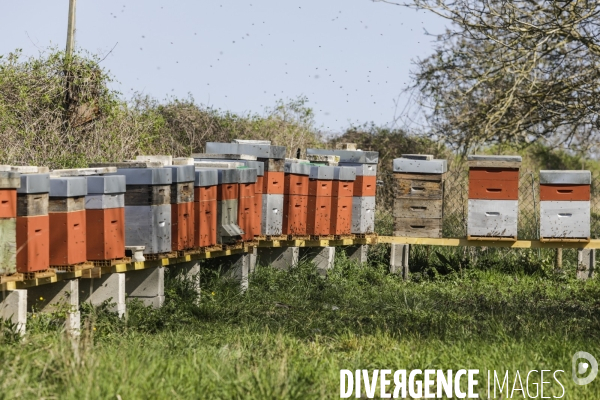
<point>68,238</point>
<point>205,224</point>
<point>365,186</point>
<point>319,187</point>
<point>485,189</point>
<point>259,184</point>
<point>341,216</point>
<point>182,226</point>
<point>8,203</point>
<point>342,189</point>
<point>497,174</point>
<point>296,184</point>
<point>228,191</point>
<point>295,215</point>
<point>564,192</point>
<point>247,217</point>
<point>205,193</point>
<point>319,215</point>
<point>273,183</point>
<point>105,239</point>
<point>33,237</point>
<point>258,199</point>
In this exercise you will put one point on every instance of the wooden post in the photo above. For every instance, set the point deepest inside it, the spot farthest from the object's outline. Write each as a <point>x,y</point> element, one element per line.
<point>71,29</point>
<point>558,260</point>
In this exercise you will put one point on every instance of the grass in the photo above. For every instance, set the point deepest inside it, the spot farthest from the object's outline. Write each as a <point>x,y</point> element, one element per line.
<point>291,332</point>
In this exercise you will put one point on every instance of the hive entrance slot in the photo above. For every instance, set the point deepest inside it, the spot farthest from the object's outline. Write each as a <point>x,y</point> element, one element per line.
<point>418,208</point>
<point>565,215</point>
<point>417,226</point>
<point>565,191</point>
<point>492,214</point>
<point>494,190</point>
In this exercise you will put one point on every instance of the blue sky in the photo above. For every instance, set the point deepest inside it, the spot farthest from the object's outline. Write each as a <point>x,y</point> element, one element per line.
<point>350,58</point>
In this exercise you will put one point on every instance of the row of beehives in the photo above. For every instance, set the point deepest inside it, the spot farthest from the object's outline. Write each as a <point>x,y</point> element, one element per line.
<point>234,192</point>
<point>493,199</point>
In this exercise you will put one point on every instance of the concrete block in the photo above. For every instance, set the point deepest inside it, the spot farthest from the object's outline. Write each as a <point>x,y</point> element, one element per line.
<point>182,173</point>
<point>8,246</point>
<point>272,214</point>
<point>54,297</point>
<point>110,184</point>
<point>357,253</point>
<point>323,173</point>
<point>147,285</point>
<point>206,177</point>
<point>322,257</point>
<point>82,171</point>
<point>548,177</point>
<point>586,263</point>
<point>362,169</point>
<point>238,268</point>
<point>407,165</point>
<point>13,306</point>
<point>361,157</point>
<point>75,186</point>
<point>344,174</point>
<point>278,257</point>
<point>149,226</point>
<point>104,201</point>
<point>25,169</point>
<point>495,218</point>
<point>164,159</point>
<point>399,260</point>
<point>564,219</point>
<point>10,180</point>
<point>146,176</point>
<point>323,158</point>
<point>109,288</point>
<point>34,183</point>
<point>363,215</point>
<point>297,168</point>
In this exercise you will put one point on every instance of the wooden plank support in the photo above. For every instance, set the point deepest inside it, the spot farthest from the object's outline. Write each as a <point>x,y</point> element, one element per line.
<point>518,244</point>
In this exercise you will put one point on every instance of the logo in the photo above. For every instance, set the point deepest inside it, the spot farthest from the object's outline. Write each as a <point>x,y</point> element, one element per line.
<point>582,367</point>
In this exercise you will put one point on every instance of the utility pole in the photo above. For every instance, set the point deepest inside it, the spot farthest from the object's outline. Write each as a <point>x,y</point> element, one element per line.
<point>71,29</point>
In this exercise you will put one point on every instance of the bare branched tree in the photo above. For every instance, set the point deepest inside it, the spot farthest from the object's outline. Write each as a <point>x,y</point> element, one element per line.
<point>513,71</point>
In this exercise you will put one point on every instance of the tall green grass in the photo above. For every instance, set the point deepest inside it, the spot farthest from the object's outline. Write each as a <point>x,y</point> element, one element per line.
<point>291,332</point>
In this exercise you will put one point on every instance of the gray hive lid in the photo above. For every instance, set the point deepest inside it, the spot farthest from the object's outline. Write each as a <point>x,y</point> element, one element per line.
<point>183,161</point>
<point>205,156</point>
<point>111,184</point>
<point>229,175</point>
<point>411,166</point>
<point>10,180</point>
<point>579,177</point>
<point>247,175</point>
<point>83,171</point>
<point>297,168</point>
<point>323,173</point>
<point>344,173</point>
<point>181,173</point>
<point>247,141</point>
<point>164,159</point>
<point>361,157</point>
<point>257,150</point>
<point>484,157</point>
<point>206,177</point>
<point>75,186</point>
<point>146,176</point>
<point>34,183</point>
<point>217,164</point>
<point>129,164</point>
<point>424,157</point>
<point>258,165</point>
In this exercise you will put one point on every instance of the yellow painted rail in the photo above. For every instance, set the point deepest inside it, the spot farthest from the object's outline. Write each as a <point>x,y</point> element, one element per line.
<point>518,244</point>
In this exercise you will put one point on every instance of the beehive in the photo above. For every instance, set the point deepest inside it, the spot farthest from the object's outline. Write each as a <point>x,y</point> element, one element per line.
<point>565,205</point>
<point>493,207</point>
<point>418,195</point>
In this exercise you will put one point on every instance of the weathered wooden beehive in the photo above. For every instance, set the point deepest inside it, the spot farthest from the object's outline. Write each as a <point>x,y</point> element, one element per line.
<point>493,196</point>
<point>418,195</point>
